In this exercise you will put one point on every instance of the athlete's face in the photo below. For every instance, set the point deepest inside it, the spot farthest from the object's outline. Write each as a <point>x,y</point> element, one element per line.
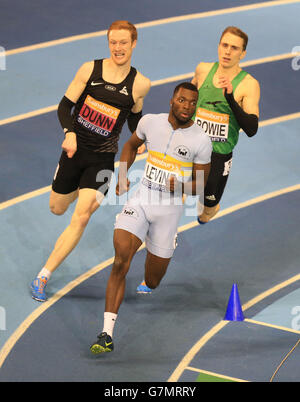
<point>120,45</point>
<point>230,50</point>
<point>183,105</point>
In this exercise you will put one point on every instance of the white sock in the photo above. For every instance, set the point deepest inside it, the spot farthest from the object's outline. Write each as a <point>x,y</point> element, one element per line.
<point>44,272</point>
<point>109,322</point>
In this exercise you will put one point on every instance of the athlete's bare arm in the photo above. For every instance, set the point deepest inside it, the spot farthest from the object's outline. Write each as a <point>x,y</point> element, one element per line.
<point>73,93</point>
<point>196,185</point>
<point>247,93</point>
<point>127,158</point>
<point>79,82</point>
<point>141,87</point>
<point>201,73</point>
<point>250,95</point>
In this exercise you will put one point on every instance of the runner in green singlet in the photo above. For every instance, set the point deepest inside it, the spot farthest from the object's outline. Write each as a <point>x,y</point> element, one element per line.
<point>228,101</point>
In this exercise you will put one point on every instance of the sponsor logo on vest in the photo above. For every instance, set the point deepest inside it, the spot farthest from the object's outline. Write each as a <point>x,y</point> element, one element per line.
<point>110,88</point>
<point>215,103</point>
<point>124,91</point>
<point>131,212</point>
<point>96,83</point>
<point>182,151</point>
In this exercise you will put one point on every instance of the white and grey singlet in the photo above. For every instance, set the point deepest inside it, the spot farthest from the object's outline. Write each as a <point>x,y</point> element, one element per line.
<point>153,213</point>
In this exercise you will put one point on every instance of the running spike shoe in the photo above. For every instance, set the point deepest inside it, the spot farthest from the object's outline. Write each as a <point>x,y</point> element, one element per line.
<point>143,289</point>
<point>38,289</point>
<point>103,344</point>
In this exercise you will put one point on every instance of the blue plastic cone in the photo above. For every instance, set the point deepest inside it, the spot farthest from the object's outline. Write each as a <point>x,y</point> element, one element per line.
<point>234,309</point>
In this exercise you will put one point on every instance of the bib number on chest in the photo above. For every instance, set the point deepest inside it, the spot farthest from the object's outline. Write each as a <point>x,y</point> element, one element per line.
<point>157,172</point>
<point>98,117</point>
<point>215,124</point>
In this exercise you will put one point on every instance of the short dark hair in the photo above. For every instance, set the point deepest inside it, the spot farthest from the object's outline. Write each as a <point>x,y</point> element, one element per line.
<point>185,85</point>
<point>238,32</point>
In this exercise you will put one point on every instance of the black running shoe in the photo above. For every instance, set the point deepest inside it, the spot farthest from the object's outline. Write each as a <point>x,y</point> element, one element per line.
<point>103,344</point>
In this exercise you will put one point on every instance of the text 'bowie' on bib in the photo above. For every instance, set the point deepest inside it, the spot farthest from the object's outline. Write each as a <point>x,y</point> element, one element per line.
<point>214,124</point>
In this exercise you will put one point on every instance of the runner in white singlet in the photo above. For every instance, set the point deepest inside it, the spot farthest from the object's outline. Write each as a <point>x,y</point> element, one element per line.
<point>153,213</point>
<point>178,151</point>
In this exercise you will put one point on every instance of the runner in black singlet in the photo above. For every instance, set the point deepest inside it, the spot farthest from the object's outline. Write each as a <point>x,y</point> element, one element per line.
<point>103,95</point>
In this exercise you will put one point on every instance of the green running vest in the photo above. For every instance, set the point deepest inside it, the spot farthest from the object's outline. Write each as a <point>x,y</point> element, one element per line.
<point>214,114</point>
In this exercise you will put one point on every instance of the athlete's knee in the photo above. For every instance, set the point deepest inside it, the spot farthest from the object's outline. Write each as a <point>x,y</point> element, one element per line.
<point>123,256</point>
<point>59,203</point>
<point>80,220</point>
<point>121,265</point>
<point>152,283</point>
<point>57,209</point>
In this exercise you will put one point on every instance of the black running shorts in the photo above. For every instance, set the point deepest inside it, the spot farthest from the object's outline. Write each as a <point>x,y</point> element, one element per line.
<point>217,179</point>
<point>86,169</point>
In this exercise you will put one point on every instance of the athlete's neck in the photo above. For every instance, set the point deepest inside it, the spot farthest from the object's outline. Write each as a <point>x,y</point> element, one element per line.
<point>229,72</point>
<point>175,123</point>
<point>113,72</point>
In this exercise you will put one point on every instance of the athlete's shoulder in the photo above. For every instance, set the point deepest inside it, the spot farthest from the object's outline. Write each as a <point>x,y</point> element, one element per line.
<point>150,123</point>
<point>201,72</point>
<point>85,70</point>
<point>250,84</point>
<point>203,68</point>
<point>142,84</point>
<point>155,117</point>
<point>200,134</point>
<point>250,80</point>
<point>87,66</point>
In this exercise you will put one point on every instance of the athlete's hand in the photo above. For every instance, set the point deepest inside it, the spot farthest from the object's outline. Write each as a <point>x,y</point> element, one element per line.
<point>122,187</point>
<point>225,83</point>
<point>69,144</point>
<point>141,149</point>
<point>173,185</point>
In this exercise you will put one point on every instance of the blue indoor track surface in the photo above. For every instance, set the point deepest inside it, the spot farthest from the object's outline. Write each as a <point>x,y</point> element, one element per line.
<point>179,331</point>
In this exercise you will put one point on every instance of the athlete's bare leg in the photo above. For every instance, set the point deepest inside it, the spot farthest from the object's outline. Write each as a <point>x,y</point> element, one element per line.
<point>59,203</point>
<point>155,269</point>
<point>208,213</point>
<point>88,202</point>
<point>126,245</point>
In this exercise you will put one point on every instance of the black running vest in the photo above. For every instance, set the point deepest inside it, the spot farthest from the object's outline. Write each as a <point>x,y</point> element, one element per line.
<point>102,110</point>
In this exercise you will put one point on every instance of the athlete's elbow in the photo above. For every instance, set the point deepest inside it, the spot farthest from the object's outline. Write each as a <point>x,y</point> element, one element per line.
<point>251,132</point>
<point>252,126</point>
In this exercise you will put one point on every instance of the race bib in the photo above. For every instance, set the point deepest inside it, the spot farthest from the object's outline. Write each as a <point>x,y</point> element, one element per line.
<point>158,170</point>
<point>214,124</point>
<point>97,116</point>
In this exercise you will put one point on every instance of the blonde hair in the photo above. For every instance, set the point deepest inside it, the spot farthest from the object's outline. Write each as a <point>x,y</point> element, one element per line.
<point>120,24</point>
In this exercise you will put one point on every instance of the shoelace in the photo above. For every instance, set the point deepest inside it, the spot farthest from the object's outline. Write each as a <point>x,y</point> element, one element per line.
<point>41,283</point>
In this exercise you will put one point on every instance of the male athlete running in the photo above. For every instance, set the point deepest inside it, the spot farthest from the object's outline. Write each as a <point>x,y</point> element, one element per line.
<point>104,94</point>
<point>228,101</point>
<point>177,151</point>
